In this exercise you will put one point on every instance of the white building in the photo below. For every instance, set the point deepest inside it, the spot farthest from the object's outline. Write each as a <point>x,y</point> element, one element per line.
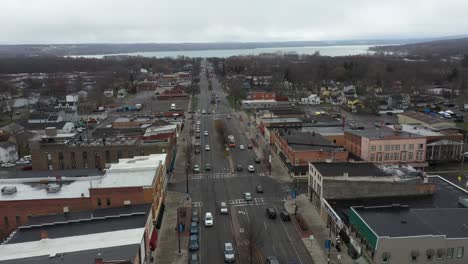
<point>8,152</point>
<point>312,99</point>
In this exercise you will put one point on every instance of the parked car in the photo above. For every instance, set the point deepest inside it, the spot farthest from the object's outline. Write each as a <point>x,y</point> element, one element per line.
<point>205,133</point>
<point>193,243</point>
<point>285,216</point>
<point>257,160</point>
<point>259,189</point>
<point>207,167</point>
<point>228,117</point>
<point>239,167</point>
<point>207,147</point>
<point>229,254</point>
<point>8,165</point>
<point>224,209</point>
<point>272,260</point>
<point>195,216</point>
<point>209,219</point>
<point>27,168</point>
<point>22,162</point>
<point>193,228</point>
<point>194,258</point>
<point>198,122</point>
<point>203,111</point>
<point>242,147</point>
<point>251,168</point>
<point>249,146</point>
<point>196,168</point>
<point>271,212</point>
<point>248,196</point>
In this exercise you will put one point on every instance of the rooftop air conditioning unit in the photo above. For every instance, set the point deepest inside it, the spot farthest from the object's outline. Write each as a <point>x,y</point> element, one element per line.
<point>53,188</point>
<point>9,190</point>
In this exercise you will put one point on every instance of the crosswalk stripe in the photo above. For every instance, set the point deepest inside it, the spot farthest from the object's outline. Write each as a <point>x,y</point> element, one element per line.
<point>224,175</point>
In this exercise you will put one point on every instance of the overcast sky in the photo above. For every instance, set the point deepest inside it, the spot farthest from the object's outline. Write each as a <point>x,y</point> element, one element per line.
<point>128,21</point>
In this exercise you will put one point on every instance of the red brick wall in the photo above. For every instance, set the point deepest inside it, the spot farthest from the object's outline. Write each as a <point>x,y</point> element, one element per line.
<point>353,143</point>
<point>117,196</point>
<point>262,96</point>
<point>25,208</point>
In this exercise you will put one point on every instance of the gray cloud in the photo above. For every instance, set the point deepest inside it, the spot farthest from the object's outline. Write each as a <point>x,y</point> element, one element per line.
<point>90,21</point>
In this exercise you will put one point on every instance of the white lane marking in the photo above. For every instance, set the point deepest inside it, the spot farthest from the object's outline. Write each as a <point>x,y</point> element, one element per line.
<point>264,224</point>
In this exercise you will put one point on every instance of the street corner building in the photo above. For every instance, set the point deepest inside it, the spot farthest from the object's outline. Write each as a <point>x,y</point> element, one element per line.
<point>130,182</point>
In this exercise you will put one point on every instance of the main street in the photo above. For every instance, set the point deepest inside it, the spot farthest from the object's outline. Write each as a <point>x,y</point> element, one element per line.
<point>225,184</point>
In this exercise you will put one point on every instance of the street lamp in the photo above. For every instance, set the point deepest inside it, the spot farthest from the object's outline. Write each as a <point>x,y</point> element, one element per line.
<point>178,226</point>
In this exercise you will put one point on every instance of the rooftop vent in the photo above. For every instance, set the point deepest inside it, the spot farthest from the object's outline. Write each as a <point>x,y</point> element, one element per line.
<point>9,190</point>
<point>53,188</point>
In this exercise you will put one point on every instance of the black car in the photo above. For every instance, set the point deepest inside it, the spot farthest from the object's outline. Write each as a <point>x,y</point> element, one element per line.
<point>272,260</point>
<point>207,167</point>
<point>285,216</point>
<point>271,212</point>
<point>257,160</point>
<point>259,189</point>
<point>193,243</point>
<point>239,167</point>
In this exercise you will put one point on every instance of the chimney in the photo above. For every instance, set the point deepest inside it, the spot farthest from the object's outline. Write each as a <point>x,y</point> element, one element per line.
<point>44,234</point>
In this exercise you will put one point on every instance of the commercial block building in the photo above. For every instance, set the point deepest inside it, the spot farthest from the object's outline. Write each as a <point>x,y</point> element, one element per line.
<point>138,180</point>
<point>299,148</point>
<point>67,151</point>
<point>417,118</point>
<point>116,235</point>
<point>387,146</point>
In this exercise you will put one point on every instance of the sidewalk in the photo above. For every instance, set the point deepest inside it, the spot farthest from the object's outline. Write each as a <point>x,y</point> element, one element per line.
<point>320,232</point>
<point>278,170</point>
<point>168,242</point>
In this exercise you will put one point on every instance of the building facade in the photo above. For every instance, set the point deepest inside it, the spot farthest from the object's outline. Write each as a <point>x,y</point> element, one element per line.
<point>387,146</point>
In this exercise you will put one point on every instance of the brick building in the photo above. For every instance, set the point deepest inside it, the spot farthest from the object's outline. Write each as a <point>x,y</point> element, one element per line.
<point>298,148</point>
<point>138,180</point>
<point>66,151</point>
<point>387,146</point>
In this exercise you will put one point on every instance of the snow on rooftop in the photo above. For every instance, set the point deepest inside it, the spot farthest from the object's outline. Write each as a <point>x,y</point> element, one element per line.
<point>52,246</point>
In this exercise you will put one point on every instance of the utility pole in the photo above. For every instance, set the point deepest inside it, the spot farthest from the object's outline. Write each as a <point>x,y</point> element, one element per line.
<point>178,226</point>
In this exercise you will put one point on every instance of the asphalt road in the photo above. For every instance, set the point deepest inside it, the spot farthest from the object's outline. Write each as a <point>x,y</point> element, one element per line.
<point>224,184</point>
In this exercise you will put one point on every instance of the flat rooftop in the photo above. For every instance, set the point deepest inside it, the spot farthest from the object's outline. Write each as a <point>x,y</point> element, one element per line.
<point>325,130</point>
<point>83,223</point>
<point>139,171</point>
<point>298,140</point>
<point>353,169</point>
<point>402,221</point>
<point>425,118</point>
<point>383,133</point>
<point>47,248</point>
<point>417,130</point>
<point>447,195</point>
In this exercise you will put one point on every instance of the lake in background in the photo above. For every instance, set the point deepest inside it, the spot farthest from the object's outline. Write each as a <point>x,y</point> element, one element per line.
<point>324,51</point>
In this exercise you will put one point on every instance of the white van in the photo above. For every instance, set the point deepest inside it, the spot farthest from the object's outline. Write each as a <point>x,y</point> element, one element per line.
<point>172,106</point>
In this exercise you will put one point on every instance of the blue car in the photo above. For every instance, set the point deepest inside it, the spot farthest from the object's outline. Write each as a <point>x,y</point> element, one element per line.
<point>193,228</point>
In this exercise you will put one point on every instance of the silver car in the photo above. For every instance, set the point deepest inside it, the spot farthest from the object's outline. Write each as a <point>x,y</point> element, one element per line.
<point>229,254</point>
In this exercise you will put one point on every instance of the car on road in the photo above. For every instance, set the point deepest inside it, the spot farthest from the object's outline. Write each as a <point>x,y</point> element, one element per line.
<point>196,168</point>
<point>229,254</point>
<point>193,228</point>
<point>198,122</point>
<point>195,216</point>
<point>205,133</point>
<point>193,243</point>
<point>228,116</point>
<point>259,189</point>
<point>285,216</point>
<point>197,130</point>
<point>208,167</point>
<point>209,219</point>
<point>271,212</point>
<point>257,160</point>
<point>197,135</point>
<point>22,162</point>
<point>203,111</point>
<point>224,209</point>
<point>248,196</point>
<point>194,258</point>
<point>272,260</point>
<point>8,165</point>
<point>239,167</point>
<point>207,147</point>
<point>251,168</point>
<point>249,146</point>
<point>241,147</point>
